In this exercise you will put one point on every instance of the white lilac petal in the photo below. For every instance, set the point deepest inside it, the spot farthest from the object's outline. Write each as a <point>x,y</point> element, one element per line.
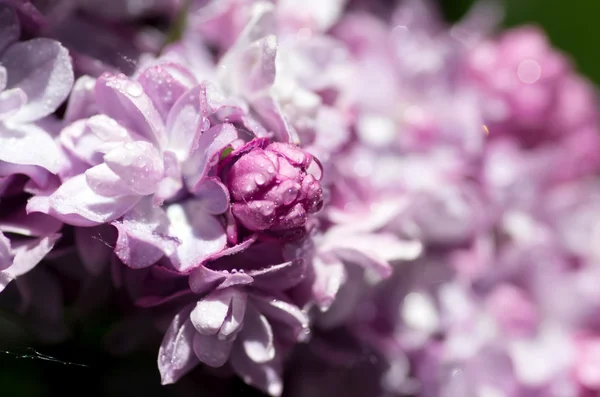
<point>256,336</point>
<point>28,144</point>
<point>213,195</point>
<point>235,318</point>
<point>165,83</point>
<point>143,236</point>
<point>209,145</point>
<point>211,350</point>
<point>108,130</point>
<point>11,101</point>
<point>6,257</point>
<point>82,103</point>
<point>79,141</point>
<point>210,312</point>
<point>383,246</point>
<point>313,13</point>
<point>104,182</point>
<point>138,164</point>
<point>26,256</point>
<point>186,120</point>
<point>75,203</point>
<point>202,234</point>
<point>285,313</point>
<point>172,182</point>
<point>266,376</point>
<point>124,100</point>
<point>42,68</point>
<point>176,354</point>
<point>330,276</point>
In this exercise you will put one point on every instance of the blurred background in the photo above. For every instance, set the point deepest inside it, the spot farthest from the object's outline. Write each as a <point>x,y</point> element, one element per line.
<point>572,25</point>
<point>81,366</point>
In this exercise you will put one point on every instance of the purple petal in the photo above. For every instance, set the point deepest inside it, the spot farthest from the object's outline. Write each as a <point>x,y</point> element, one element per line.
<point>211,350</point>
<point>330,276</point>
<point>26,256</point>
<point>76,204</point>
<point>213,195</point>
<point>279,277</point>
<point>187,119</point>
<point>234,321</point>
<point>143,236</point>
<point>103,181</point>
<point>165,84</point>
<point>257,337</point>
<point>270,111</point>
<point>42,68</point>
<point>203,280</point>
<point>9,28</point>
<point>139,164</point>
<point>11,101</point>
<point>171,184</point>
<point>202,235</point>
<point>176,354</point>
<point>94,247</point>
<point>372,250</point>
<point>27,144</point>
<point>81,143</point>
<point>82,103</point>
<point>110,131</point>
<point>124,100</point>
<point>266,377</point>
<point>6,257</point>
<point>209,144</point>
<point>210,312</point>
<point>34,225</point>
<point>285,313</point>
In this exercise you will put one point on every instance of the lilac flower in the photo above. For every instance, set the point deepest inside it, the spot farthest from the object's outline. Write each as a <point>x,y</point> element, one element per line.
<point>531,93</point>
<point>35,78</point>
<point>151,143</point>
<point>243,317</point>
<point>272,191</point>
<point>299,72</point>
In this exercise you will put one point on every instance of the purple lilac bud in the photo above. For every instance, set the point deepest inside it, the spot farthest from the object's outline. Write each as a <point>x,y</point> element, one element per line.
<point>272,189</point>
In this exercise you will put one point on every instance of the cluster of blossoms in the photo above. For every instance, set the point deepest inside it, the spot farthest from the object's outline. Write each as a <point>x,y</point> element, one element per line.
<point>314,196</point>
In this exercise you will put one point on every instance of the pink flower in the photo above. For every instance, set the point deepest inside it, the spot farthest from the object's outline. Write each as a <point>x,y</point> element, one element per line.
<point>271,188</point>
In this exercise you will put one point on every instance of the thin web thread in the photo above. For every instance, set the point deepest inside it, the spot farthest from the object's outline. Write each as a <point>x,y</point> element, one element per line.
<point>35,355</point>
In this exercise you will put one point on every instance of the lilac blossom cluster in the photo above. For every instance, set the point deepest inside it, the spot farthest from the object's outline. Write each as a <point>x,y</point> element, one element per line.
<point>314,196</point>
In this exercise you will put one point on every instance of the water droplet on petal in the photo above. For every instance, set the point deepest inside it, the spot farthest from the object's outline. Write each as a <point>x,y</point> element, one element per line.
<point>204,124</point>
<point>134,88</point>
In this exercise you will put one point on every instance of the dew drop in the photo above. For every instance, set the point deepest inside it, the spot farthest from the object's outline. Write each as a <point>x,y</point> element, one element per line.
<point>260,180</point>
<point>289,195</point>
<point>204,123</point>
<point>134,88</point>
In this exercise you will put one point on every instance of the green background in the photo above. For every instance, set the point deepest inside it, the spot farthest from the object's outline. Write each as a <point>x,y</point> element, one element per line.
<point>572,25</point>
